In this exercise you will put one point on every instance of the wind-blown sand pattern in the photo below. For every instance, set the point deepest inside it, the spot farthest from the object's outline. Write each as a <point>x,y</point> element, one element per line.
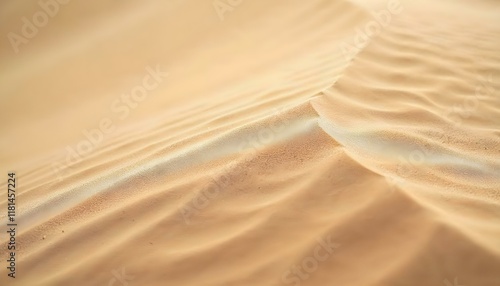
<point>277,143</point>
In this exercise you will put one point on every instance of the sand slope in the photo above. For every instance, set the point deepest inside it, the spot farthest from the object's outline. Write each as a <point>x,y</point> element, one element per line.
<point>269,155</point>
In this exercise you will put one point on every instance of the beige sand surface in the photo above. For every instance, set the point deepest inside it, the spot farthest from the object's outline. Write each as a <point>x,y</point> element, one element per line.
<point>287,142</point>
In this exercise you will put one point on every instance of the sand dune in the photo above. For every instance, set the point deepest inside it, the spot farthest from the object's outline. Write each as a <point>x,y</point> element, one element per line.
<point>256,142</point>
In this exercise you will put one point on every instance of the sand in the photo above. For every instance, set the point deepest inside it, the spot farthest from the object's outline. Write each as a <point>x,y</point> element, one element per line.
<point>227,142</point>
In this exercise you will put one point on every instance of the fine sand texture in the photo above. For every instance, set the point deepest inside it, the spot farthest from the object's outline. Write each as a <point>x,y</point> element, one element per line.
<point>251,142</point>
